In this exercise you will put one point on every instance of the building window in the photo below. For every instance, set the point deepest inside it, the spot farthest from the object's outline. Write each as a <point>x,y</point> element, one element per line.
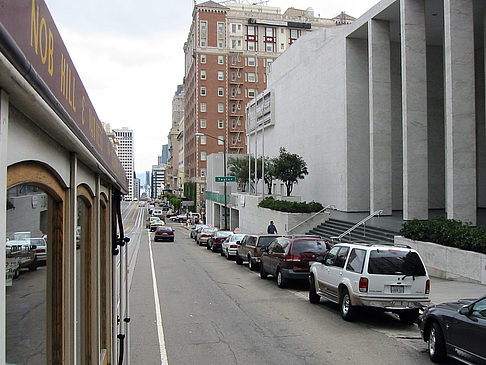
<point>203,123</point>
<point>204,25</point>
<point>233,108</point>
<point>220,140</point>
<point>203,155</point>
<point>251,93</point>
<point>203,58</point>
<point>220,108</point>
<point>233,76</point>
<point>220,43</point>
<point>220,27</point>
<point>251,38</point>
<point>282,46</point>
<point>203,107</point>
<point>233,139</point>
<point>294,34</point>
<point>250,77</point>
<point>203,139</point>
<point>220,123</point>
<point>250,61</point>
<point>233,123</point>
<point>220,91</point>
<point>220,75</point>
<point>204,42</point>
<point>203,172</point>
<point>220,60</point>
<point>203,90</point>
<point>203,74</point>
<point>270,39</point>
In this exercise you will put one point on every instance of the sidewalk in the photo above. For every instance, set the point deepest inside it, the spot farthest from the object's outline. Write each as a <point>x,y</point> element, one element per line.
<point>443,290</point>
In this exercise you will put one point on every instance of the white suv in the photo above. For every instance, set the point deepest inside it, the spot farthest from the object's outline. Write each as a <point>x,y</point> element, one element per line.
<point>393,278</point>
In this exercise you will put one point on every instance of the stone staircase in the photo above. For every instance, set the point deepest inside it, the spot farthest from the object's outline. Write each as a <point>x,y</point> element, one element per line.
<point>334,227</point>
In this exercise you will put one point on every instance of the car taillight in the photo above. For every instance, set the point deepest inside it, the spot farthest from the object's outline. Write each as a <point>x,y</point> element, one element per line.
<point>255,250</point>
<point>363,285</point>
<point>427,287</point>
<point>204,235</point>
<point>233,246</point>
<point>40,250</point>
<point>293,258</point>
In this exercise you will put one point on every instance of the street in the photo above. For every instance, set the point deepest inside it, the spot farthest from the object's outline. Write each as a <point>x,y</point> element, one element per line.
<point>213,311</point>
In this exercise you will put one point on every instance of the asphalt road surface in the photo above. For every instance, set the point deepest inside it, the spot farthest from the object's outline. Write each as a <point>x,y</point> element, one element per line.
<point>191,306</point>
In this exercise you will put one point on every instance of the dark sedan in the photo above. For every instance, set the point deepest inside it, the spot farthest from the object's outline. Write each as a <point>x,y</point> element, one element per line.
<point>163,233</point>
<point>456,330</point>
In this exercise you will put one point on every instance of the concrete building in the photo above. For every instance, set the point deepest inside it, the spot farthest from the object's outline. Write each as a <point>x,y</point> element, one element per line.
<point>157,183</point>
<point>173,160</point>
<point>227,54</point>
<point>124,138</point>
<point>393,113</point>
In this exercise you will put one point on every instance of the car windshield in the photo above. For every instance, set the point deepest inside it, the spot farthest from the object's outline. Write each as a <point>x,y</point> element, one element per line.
<point>236,237</point>
<point>164,228</point>
<point>37,241</point>
<point>391,261</point>
<point>306,246</point>
<point>222,234</point>
<point>265,241</point>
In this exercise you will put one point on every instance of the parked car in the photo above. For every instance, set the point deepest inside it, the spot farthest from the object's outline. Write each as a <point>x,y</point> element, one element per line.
<point>456,330</point>
<point>196,229</point>
<point>384,276</point>
<point>229,247</point>
<point>19,254</point>
<point>40,250</point>
<point>150,220</point>
<point>156,223</point>
<point>289,258</point>
<point>250,249</point>
<point>215,241</point>
<point>179,218</point>
<point>203,236</point>
<point>164,233</point>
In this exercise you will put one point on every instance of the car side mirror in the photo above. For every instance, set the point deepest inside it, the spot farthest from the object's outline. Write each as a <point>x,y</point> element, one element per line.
<point>33,247</point>
<point>465,310</point>
<point>238,242</point>
<point>320,259</point>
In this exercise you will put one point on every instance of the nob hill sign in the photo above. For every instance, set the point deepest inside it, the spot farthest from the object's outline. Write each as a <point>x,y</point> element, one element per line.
<point>30,25</point>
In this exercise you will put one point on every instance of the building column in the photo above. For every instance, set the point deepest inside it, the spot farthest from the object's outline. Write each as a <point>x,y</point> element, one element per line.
<point>460,123</point>
<point>414,109</point>
<point>380,116</point>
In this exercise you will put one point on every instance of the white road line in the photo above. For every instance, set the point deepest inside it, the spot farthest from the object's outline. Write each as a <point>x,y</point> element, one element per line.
<point>158,313</point>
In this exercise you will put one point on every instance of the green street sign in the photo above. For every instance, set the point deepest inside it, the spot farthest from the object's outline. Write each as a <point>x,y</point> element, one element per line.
<point>225,178</point>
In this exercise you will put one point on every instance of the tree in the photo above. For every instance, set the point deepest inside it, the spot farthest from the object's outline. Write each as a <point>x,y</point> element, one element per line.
<point>238,166</point>
<point>289,167</point>
<point>269,173</point>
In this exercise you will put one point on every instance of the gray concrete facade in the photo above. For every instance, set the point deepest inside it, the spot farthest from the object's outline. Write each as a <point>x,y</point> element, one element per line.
<point>388,112</point>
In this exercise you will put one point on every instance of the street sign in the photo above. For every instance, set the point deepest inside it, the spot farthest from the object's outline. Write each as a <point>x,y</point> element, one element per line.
<point>225,178</point>
<point>187,203</point>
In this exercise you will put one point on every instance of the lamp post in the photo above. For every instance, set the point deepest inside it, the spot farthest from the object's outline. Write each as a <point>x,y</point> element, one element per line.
<point>224,173</point>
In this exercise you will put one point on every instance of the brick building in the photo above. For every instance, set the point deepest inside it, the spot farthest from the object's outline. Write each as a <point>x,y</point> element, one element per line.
<point>227,54</point>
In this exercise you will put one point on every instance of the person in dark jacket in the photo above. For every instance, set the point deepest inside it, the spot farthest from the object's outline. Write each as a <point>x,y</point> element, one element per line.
<point>271,228</point>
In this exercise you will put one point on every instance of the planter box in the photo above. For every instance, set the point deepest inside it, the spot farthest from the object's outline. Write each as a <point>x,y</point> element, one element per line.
<point>449,262</point>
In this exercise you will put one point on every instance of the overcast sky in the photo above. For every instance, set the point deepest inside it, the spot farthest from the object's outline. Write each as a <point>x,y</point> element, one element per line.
<point>129,55</point>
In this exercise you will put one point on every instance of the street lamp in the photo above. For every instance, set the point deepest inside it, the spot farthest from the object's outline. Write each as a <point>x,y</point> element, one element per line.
<point>224,173</point>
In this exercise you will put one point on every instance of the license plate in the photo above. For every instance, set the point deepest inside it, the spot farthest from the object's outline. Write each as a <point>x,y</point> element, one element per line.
<point>396,289</point>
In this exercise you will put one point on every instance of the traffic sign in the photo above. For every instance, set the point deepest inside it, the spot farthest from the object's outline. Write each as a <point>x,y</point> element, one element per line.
<point>225,178</point>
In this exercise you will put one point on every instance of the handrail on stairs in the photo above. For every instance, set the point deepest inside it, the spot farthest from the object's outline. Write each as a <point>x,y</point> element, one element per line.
<point>330,206</point>
<point>363,221</point>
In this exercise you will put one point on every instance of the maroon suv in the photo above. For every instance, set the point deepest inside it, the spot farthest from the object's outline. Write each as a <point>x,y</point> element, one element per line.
<point>289,258</point>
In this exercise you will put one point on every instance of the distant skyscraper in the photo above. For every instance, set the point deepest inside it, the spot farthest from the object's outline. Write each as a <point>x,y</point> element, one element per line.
<point>165,153</point>
<point>124,138</point>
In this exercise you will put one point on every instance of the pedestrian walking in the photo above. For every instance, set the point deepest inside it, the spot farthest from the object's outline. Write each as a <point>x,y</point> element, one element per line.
<point>271,228</point>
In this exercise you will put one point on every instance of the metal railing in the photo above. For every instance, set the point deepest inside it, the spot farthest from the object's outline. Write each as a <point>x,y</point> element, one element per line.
<point>363,221</point>
<point>330,206</point>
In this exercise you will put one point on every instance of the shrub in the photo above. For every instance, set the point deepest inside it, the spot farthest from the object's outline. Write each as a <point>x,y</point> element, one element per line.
<point>446,232</point>
<point>290,207</point>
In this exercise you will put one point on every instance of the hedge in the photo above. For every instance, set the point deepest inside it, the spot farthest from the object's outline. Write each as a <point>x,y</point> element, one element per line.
<point>290,207</point>
<point>446,232</point>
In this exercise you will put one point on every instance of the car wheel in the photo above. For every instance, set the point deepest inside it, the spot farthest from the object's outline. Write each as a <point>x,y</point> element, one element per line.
<point>436,343</point>
<point>348,311</point>
<point>213,248</point>
<point>208,247</point>
<point>263,273</point>
<point>314,298</point>
<point>251,264</point>
<point>409,316</point>
<point>33,266</point>
<point>222,252</point>
<point>16,273</point>
<point>281,281</point>
<point>239,260</point>
<point>227,255</point>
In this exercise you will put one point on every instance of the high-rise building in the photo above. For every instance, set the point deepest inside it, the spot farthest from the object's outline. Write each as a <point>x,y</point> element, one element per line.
<point>157,182</point>
<point>165,153</point>
<point>124,138</point>
<point>177,115</point>
<point>227,53</point>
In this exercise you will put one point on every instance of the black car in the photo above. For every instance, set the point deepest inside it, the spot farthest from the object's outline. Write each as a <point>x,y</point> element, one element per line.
<point>456,330</point>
